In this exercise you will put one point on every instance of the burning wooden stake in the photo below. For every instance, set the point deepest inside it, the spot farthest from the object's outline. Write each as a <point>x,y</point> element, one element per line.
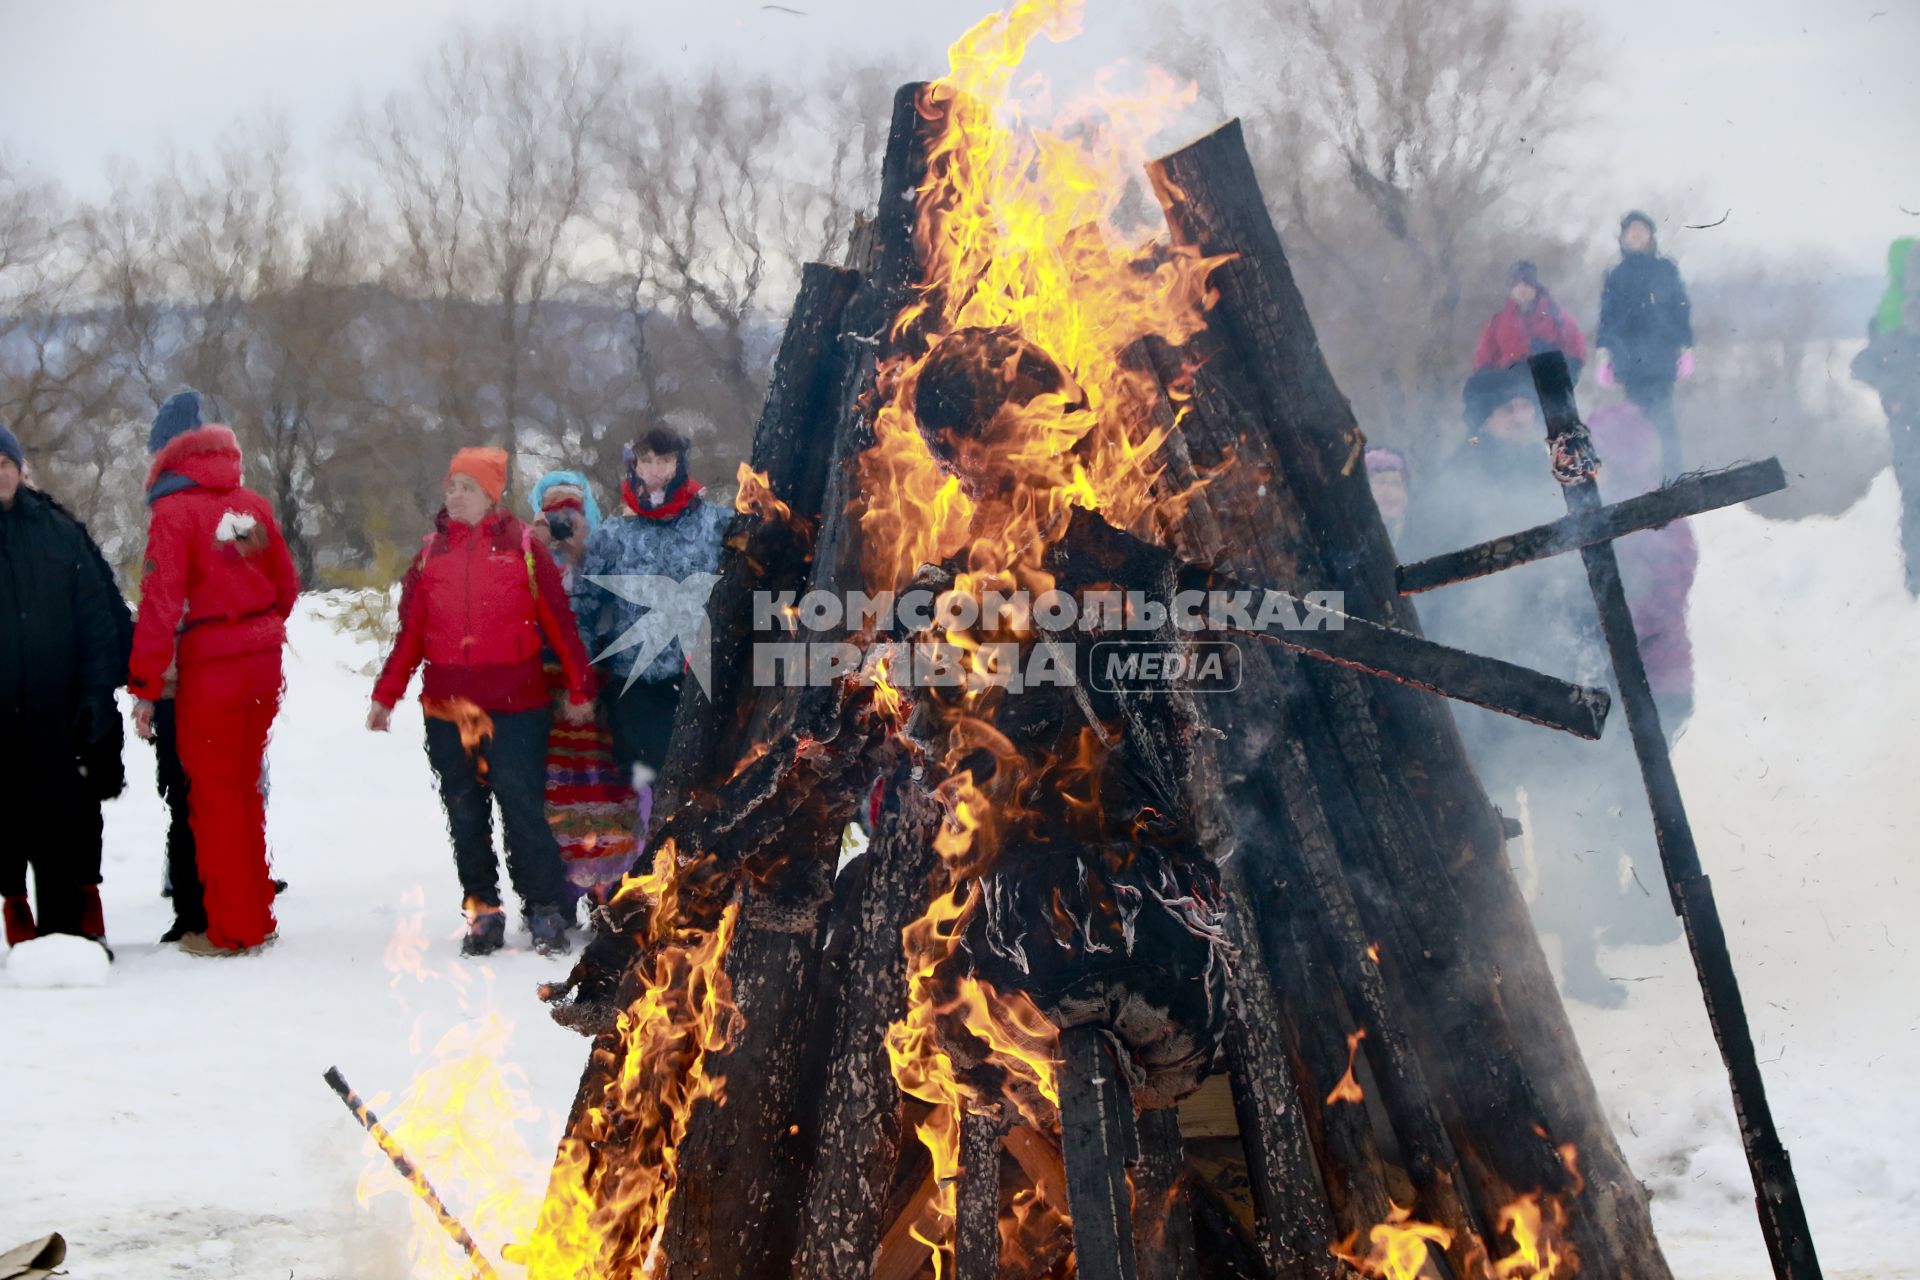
<point>410,1173</point>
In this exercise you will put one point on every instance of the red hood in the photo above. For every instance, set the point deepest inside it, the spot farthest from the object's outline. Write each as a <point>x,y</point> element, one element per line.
<point>208,456</point>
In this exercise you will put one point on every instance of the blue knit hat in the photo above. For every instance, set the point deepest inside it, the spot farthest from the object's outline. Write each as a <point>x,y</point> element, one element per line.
<point>180,414</point>
<point>10,447</point>
<point>537,500</point>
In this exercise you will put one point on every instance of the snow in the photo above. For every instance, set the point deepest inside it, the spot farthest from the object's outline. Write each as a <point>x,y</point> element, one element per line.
<point>58,960</point>
<point>174,1122</point>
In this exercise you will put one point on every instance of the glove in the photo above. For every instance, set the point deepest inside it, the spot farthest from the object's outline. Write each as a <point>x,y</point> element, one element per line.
<point>1684,366</point>
<point>1605,373</point>
<point>97,740</point>
<point>95,719</point>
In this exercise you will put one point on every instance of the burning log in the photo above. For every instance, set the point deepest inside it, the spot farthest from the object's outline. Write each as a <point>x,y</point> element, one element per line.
<point>976,1222</point>
<point>409,1173</point>
<point>1417,805</point>
<point>1098,1140</point>
<point>1163,1241</point>
<point>1079,900</point>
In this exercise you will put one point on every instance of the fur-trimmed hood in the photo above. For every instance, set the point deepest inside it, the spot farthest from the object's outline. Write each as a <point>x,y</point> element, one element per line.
<point>205,458</point>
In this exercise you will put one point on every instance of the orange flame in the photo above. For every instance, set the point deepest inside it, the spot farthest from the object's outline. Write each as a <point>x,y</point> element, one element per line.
<point>1349,1090</point>
<point>475,725</point>
<point>1030,296</point>
<point>616,1172</point>
<point>755,496</point>
<point>1399,1248</point>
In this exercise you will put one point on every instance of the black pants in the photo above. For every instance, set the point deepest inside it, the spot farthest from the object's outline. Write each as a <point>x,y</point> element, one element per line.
<point>52,825</point>
<point>641,719</point>
<point>1655,399</point>
<point>510,767</point>
<point>1904,425</point>
<point>183,871</point>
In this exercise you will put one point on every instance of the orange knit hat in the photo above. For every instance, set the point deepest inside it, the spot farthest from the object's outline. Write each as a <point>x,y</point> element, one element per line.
<point>488,467</point>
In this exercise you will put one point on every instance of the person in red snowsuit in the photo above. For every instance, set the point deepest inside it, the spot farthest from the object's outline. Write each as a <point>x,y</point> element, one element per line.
<point>477,606</point>
<point>215,594</point>
<point>1530,323</point>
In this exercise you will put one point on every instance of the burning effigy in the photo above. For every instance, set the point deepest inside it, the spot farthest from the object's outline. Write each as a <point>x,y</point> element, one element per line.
<point>966,1050</point>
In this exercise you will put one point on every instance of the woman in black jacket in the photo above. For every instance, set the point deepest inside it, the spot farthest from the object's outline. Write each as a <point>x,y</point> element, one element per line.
<point>64,634</point>
<point>1645,336</point>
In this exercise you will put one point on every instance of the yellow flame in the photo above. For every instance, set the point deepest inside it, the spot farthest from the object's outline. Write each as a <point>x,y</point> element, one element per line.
<point>1398,1249</point>
<point>616,1171</point>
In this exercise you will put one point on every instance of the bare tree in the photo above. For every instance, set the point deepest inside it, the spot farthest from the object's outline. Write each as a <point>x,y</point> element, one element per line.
<point>1413,152</point>
<point>483,168</point>
<point>721,190</point>
<point>60,387</point>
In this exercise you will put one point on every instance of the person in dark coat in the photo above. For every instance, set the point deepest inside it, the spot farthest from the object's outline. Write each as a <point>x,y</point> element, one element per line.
<point>669,532</point>
<point>1645,336</point>
<point>1890,364</point>
<point>64,634</point>
<point>1583,813</point>
<point>1530,323</point>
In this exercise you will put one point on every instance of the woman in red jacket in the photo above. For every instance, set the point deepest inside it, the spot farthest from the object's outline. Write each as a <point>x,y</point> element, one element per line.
<point>1530,323</point>
<point>215,593</point>
<point>477,605</point>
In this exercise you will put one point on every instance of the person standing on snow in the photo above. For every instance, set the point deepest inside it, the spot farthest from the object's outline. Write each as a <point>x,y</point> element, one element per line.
<point>1530,323</point>
<point>1387,478</point>
<point>215,594</point>
<point>1568,795</point>
<point>591,804</point>
<point>669,532</point>
<point>1890,364</point>
<point>1657,566</point>
<point>478,604</point>
<point>63,651</point>
<point>1645,338</point>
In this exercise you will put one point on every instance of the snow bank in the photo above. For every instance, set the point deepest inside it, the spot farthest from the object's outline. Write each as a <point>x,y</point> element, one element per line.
<point>58,960</point>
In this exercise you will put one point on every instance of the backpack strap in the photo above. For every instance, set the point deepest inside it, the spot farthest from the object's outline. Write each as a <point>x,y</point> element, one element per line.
<point>526,554</point>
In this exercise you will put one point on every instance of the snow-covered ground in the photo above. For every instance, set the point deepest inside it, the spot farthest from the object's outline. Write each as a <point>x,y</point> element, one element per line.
<point>174,1123</point>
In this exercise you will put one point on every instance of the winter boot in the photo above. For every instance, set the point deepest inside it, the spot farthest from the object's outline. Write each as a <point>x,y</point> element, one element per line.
<point>549,928</point>
<point>93,917</point>
<point>19,916</point>
<point>486,930</point>
<point>199,944</point>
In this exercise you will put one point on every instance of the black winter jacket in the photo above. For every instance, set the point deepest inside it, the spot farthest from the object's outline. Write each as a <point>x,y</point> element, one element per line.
<point>64,628</point>
<point>1645,319</point>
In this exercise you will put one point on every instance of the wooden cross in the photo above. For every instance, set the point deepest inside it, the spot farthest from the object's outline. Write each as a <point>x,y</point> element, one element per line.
<point>1590,528</point>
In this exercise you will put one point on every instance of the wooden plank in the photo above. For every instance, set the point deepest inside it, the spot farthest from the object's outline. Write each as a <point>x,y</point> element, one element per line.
<point>1162,1221</point>
<point>976,1225</point>
<point>1208,1112</point>
<point>1386,760</point>
<point>1783,1219</point>
<point>1690,495</point>
<point>1093,1144</point>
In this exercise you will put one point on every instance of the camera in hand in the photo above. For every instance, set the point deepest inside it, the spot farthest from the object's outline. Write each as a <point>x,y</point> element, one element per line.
<point>560,525</point>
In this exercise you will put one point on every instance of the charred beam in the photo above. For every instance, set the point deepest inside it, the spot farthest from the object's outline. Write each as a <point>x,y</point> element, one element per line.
<point>1322,530</point>
<point>1783,1219</point>
<point>1688,496</point>
<point>976,1224</point>
<point>1162,1222</point>
<point>1095,1115</point>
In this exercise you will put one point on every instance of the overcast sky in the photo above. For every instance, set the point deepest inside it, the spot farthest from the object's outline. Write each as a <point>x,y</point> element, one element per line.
<point>1795,115</point>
